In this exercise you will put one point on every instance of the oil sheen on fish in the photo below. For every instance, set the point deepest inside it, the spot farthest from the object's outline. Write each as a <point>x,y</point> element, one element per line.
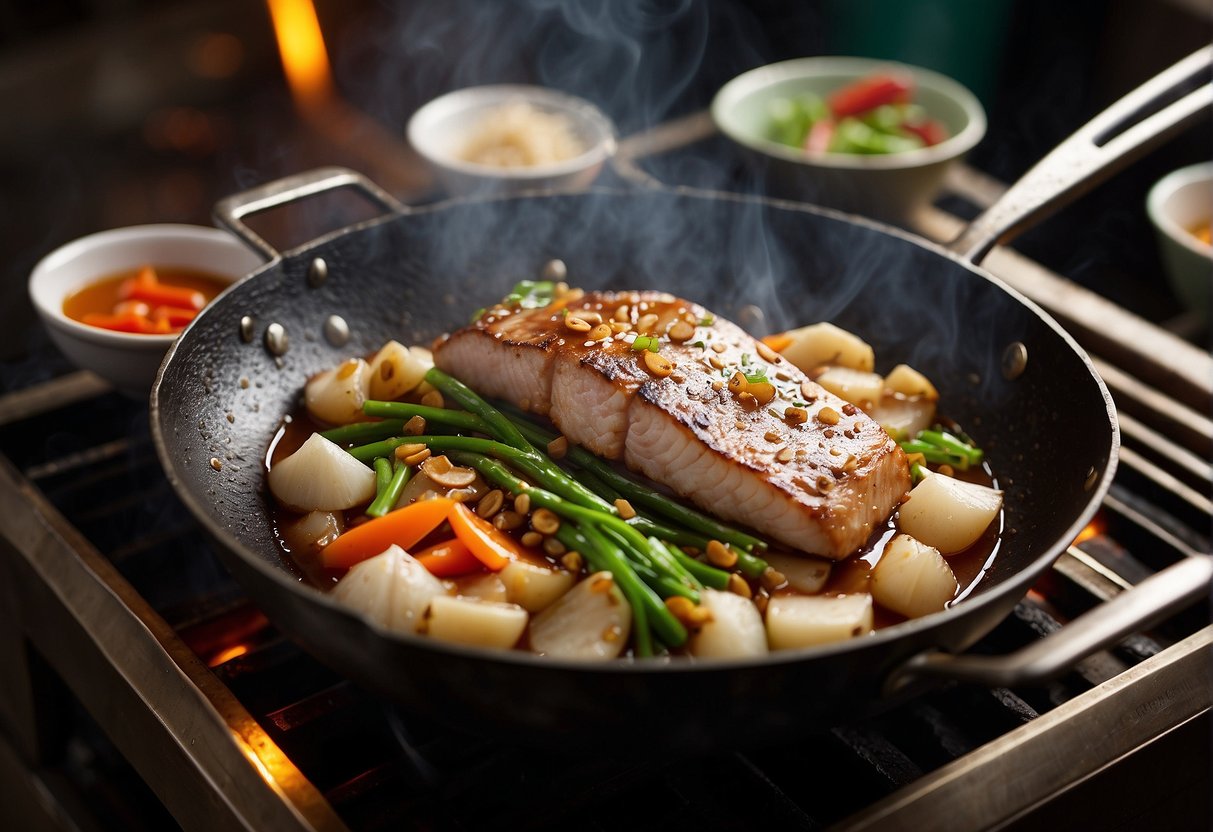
<point>732,427</point>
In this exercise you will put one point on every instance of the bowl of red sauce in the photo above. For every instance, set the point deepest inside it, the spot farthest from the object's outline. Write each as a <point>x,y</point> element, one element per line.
<point>114,301</point>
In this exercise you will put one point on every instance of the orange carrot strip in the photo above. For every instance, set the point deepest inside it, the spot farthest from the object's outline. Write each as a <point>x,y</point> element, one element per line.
<point>176,316</point>
<point>404,527</point>
<point>491,546</point>
<point>778,342</point>
<point>126,322</point>
<point>146,286</point>
<point>449,559</point>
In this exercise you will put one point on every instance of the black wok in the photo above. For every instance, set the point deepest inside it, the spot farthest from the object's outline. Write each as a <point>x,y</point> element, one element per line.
<point>1047,423</point>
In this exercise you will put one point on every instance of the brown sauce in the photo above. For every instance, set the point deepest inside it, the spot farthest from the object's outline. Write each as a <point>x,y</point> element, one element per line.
<point>851,575</point>
<point>134,301</point>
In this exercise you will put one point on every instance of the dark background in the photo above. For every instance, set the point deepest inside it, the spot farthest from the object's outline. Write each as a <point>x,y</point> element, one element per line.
<point>118,113</point>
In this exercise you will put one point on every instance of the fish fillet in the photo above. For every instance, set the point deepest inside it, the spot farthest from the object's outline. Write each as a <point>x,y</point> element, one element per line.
<point>804,467</point>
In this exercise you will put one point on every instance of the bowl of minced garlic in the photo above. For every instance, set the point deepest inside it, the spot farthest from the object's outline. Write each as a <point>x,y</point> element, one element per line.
<point>512,138</point>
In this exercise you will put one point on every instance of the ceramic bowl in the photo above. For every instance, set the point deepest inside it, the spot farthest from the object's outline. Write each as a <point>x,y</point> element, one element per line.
<point>129,361</point>
<point>1179,204</point>
<point>441,129</point>
<point>887,186</point>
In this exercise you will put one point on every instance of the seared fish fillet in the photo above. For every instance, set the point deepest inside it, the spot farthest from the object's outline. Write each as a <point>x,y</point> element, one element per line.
<point>787,458</point>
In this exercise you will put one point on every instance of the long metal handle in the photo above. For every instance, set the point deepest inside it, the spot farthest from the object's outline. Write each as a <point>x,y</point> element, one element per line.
<point>231,211</point>
<point>1117,136</point>
<point>1133,610</point>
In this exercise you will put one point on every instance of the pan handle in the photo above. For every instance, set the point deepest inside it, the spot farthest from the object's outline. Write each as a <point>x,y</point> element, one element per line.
<point>1133,610</point>
<point>1135,124</point>
<point>231,211</point>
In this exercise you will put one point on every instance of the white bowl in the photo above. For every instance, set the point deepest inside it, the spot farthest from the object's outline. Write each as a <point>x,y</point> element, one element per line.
<point>440,128</point>
<point>1179,202</point>
<point>888,186</point>
<point>127,360</point>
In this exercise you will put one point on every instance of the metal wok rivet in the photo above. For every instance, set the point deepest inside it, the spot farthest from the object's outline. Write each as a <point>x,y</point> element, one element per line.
<point>1089,482</point>
<point>1014,361</point>
<point>554,270</point>
<point>275,339</point>
<point>336,330</point>
<point>247,326</point>
<point>317,272</point>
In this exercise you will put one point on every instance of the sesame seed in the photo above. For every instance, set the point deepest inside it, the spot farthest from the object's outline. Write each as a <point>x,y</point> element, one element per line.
<point>719,554</point>
<point>767,353</point>
<point>740,425</point>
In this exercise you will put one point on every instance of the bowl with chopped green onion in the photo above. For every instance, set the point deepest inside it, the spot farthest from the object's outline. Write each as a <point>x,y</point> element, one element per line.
<point>863,135</point>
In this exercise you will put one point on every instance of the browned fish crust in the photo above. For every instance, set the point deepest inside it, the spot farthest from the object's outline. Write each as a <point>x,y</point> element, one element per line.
<point>791,460</point>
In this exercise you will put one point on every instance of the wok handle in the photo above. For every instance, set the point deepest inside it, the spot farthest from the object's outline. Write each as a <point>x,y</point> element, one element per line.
<point>231,211</point>
<point>1133,610</point>
<point>1123,132</point>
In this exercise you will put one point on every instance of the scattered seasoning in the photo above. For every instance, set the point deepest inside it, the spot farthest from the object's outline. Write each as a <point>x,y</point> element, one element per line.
<point>522,503</point>
<point>576,324</point>
<point>768,354</point>
<point>490,503</point>
<point>738,586</point>
<point>658,364</point>
<point>719,554</point>
<point>740,425</point>
<point>745,359</point>
<point>681,331</point>
<point>700,344</point>
<point>717,385</point>
<point>545,521</point>
<point>796,415</point>
<point>558,447</point>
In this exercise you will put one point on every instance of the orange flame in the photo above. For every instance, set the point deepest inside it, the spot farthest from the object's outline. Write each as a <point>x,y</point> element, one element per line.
<point>227,654</point>
<point>1093,529</point>
<point>304,58</point>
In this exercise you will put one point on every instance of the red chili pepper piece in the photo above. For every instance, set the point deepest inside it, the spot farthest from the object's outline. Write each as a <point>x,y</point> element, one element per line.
<point>869,93</point>
<point>930,131</point>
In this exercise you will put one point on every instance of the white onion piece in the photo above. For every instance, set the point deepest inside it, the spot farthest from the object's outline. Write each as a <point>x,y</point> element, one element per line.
<point>902,417</point>
<point>806,620</point>
<point>392,589</point>
<point>906,380</point>
<point>336,396</point>
<point>486,587</point>
<point>735,629</point>
<point>591,621</point>
<point>320,476</point>
<point>912,578</point>
<point>397,369</point>
<point>947,513</point>
<point>823,343</point>
<point>855,386</point>
<point>314,530</point>
<point>477,622</point>
<point>534,587</point>
<point>805,574</point>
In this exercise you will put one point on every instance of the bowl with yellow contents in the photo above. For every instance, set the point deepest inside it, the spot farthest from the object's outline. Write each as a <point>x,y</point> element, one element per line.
<point>1180,206</point>
<point>113,301</point>
<point>512,138</point>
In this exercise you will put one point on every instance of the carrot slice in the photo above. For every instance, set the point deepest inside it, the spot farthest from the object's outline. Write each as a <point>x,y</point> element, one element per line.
<point>404,527</point>
<point>778,342</point>
<point>491,546</point>
<point>146,286</point>
<point>126,322</point>
<point>449,559</point>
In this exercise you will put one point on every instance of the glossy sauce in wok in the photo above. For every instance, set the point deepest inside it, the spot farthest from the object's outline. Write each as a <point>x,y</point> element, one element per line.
<point>847,576</point>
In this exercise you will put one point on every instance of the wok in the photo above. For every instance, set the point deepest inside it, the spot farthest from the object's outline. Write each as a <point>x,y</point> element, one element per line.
<point>1004,369</point>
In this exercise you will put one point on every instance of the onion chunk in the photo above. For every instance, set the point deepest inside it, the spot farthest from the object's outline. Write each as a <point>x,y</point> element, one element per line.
<point>320,476</point>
